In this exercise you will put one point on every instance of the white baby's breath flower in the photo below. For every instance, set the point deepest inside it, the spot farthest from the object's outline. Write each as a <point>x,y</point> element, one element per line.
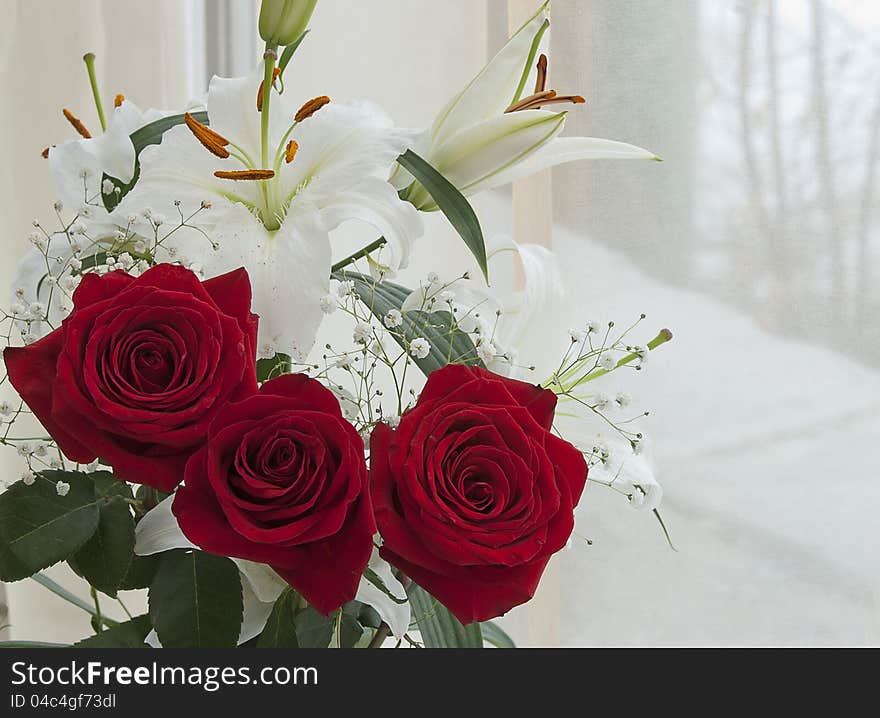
<point>37,310</point>
<point>486,351</point>
<point>603,402</point>
<point>393,319</point>
<point>92,467</point>
<point>125,260</point>
<point>577,336</point>
<point>623,400</point>
<point>433,278</point>
<point>55,463</point>
<point>59,205</point>
<point>107,187</point>
<point>27,478</point>
<point>78,228</point>
<point>75,264</point>
<point>29,338</point>
<point>62,488</point>
<point>637,498</point>
<point>344,362</point>
<point>593,328</point>
<point>345,289</point>
<point>607,361</point>
<point>5,408</point>
<point>362,333</point>
<point>328,304</point>
<point>419,348</point>
<point>392,421</point>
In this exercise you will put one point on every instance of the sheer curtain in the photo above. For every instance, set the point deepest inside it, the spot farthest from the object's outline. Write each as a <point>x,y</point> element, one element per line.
<point>755,241</point>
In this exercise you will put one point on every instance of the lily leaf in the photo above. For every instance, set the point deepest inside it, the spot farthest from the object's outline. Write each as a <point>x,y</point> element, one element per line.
<point>439,628</point>
<point>449,345</point>
<point>452,203</point>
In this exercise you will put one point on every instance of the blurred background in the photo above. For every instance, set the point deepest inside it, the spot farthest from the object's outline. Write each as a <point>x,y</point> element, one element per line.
<point>755,241</point>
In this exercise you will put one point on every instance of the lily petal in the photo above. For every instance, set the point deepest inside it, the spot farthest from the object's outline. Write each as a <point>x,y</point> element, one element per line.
<point>479,157</point>
<point>396,615</point>
<point>493,90</point>
<point>560,151</point>
<point>159,531</point>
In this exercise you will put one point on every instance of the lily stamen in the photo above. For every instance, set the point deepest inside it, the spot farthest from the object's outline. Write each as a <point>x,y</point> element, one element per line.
<point>541,81</point>
<point>290,151</point>
<point>311,107</point>
<point>212,141</point>
<point>118,100</point>
<point>77,124</point>
<point>541,95</point>
<point>275,73</point>
<point>245,174</point>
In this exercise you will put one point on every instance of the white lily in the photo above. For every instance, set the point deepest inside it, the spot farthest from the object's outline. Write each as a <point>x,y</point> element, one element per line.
<point>159,531</point>
<point>526,283</point>
<point>491,134</point>
<point>78,166</point>
<point>324,166</point>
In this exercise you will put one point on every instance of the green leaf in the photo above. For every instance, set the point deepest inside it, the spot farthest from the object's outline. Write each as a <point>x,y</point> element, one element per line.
<point>147,135</point>
<point>39,528</point>
<point>195,600</point>
<point>140,572</point>
<point>494,635</point>
<point>108,486</point>
<point>31,644</point>
<point>152,133</point>
<point>270,368</point>
<point>348,628</point>
<point>104,559</point>
<point>449,345</point>
<point>280,630</point>
<point>439,628</point>
<point>451,202</point>
<point>130,634</point>
<point>314,630</point>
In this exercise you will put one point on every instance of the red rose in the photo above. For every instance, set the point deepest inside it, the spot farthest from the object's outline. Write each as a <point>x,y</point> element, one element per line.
<point>282,480</point>
<point>472,493</point>
<point>140,368</point>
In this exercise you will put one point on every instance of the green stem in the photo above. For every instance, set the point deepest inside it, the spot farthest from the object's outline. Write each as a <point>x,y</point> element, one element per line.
<point>664,336</point>
<point>360,254</point>
<point>97,618</point>
<point>89,59</point>
<point>381,634</point>
<point>269,58</point>
<point>66,595</point>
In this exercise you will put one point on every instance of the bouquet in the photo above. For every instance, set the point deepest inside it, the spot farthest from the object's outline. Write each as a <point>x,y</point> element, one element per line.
<point>180,433</point>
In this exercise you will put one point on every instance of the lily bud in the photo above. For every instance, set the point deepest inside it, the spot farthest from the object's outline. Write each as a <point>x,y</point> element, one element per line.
<point>283,21</point>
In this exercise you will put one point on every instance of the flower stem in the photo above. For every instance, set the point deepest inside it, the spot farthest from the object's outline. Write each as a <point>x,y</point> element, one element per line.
<point>379,637</point>
<point>269,58</point>
<point>360,254</point>
<point>664,336</point>
<point>89,59</point>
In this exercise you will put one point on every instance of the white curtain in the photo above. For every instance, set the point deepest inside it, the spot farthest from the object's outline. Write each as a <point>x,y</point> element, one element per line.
<point>755,241</point>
